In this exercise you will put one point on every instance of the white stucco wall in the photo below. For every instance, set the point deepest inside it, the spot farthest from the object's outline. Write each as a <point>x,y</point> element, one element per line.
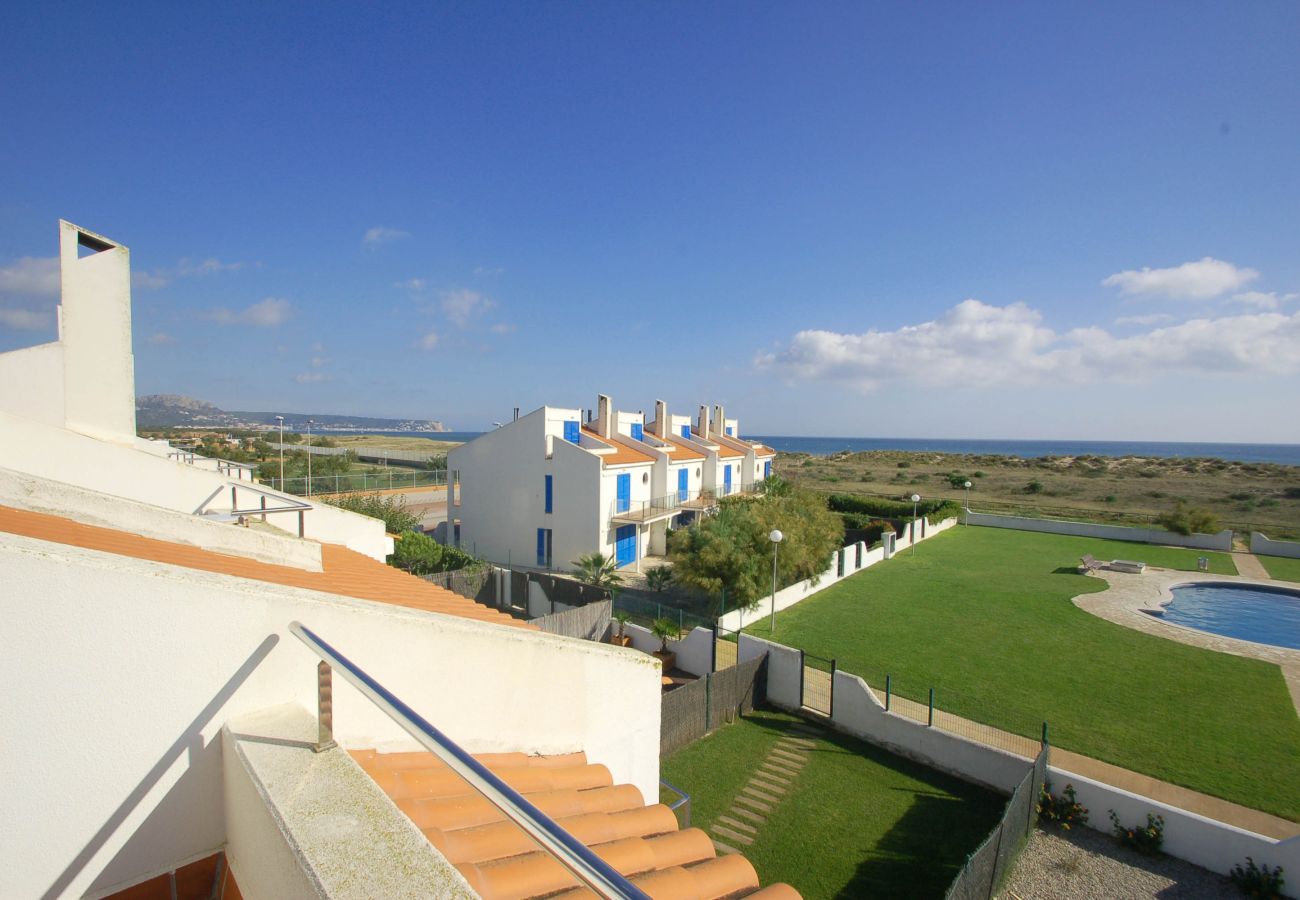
<point>115,767</point>
<point>784,672</point>
<point>1264,546</point>
<point>1221,541</point>
<point>31,383</point>
<point>57,454</point>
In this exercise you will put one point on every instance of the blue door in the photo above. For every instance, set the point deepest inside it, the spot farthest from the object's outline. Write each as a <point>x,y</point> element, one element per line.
<point>682,485</point>
<point>625,545</point>
<point>726,481</point>
<point>767,469</point>
<point>624,501</point>
<point>544,547</point>
<point>638,431</point>
<point>571,430</point>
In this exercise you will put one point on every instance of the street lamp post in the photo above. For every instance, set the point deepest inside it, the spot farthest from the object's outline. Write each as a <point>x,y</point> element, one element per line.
<point>968,503</point>
<point>775,537</point>
<point>281,420</point>
<point>916,498</point>
<point>310,423</point>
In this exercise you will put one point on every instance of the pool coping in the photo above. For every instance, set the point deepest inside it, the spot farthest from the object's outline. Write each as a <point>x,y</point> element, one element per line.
<point>1130,600</point>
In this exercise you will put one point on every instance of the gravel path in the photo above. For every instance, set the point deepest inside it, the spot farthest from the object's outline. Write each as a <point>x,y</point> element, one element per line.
<point>1082,864</point>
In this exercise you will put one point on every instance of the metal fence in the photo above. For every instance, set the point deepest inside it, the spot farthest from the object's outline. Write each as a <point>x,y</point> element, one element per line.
<point>645,608</point>
<point>985,869</point>
<point>690,712</point>
<point>388,480</point>
<point>725,645</point>
<point>590,622</point>
<point>817,683</point>
<point>962,714</point>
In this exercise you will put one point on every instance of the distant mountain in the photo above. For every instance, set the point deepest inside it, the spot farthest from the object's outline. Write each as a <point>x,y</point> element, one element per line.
<point>176,411</point>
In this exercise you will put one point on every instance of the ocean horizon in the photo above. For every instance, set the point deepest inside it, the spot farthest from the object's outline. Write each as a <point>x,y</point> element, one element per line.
<point>1283,454</point>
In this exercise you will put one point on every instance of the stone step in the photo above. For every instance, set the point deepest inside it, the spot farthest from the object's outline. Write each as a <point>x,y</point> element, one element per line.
<point>802,743</point>
<point>730,835</point>
<point>755,803</point>
<point>787,755</point>
<point>747,814</point>
<point>770,787</point>
<point>782,777</point>
<point>760,795</point>
<point>723,849</point>
<point>742,827</point>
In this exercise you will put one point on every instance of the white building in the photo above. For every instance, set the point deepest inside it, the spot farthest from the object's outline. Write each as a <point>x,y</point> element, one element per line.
<point>159,724</point>
<point>546,488</point>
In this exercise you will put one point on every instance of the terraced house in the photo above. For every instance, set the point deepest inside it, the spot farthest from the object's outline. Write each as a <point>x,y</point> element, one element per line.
<point>550,486</point>
<point>217,690</point>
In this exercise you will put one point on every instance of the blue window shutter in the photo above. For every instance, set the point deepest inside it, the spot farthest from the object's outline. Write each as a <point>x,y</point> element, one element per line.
<point>729,431</point>
<point>726,479</point>
<point>571,430</point>
<point>686,431</point>
<point>549,486</point>
<point>638,432</point>
<point>541,546</point>
<point>682,485</point>
<point>767,469</point>
<point>624,485</point>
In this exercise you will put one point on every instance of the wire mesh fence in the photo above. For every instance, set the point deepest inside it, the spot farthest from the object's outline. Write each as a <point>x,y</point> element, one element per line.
<point>818,688</point>
<point>962,714</point>
<point>645,611</point>
<point>388,480</point>
<point>988,866</point>
<point>725,647</point>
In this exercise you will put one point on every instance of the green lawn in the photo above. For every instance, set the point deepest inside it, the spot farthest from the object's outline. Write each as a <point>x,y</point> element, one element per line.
<point>1281,568</point>
<point>859,822</point>
<point>984,616</point>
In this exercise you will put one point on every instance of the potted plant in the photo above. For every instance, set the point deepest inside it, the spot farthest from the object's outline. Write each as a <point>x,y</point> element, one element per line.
<point>666,630</point>
<point>621,638</point>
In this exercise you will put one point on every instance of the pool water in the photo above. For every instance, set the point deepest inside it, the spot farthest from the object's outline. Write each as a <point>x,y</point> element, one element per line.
<point>1261,614</point>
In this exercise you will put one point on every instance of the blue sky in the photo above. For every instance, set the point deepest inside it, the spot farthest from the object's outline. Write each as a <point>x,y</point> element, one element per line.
<point>930,220</point>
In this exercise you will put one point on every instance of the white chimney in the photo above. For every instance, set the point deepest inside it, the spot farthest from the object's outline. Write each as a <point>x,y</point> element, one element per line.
<point>702,425</point>
<point>662,427</point>
<point>604,416</point>
<point>719,419</point>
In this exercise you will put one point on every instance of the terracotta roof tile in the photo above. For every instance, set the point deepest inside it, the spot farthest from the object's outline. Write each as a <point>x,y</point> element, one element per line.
<point>500,861</point>
<point>726,451</point>
<point>623,455</point>
<point>346,572</point>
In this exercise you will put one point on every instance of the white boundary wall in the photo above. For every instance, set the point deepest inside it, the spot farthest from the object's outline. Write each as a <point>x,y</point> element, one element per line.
<point>118,767</point>
<point>859,712</point>
<point>1221,541</point>
<point>1265,546</point>
<point>797,593</point>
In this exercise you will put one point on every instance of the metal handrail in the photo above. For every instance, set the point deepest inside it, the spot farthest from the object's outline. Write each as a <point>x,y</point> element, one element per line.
<point>222,466</point>
<point>585,865</point>
<point>287,504</point>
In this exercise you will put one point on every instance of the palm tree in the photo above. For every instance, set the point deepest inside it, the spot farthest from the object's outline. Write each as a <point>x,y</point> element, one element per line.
<point>598,569</point>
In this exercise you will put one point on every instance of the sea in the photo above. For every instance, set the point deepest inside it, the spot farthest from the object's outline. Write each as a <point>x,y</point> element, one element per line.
<point>1284,454</point>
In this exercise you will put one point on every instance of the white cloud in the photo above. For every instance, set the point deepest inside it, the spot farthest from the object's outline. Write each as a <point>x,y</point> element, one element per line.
<point>412,284</point>
<point>977,345</point>
<point>1262,300</point>
<point>31,276</point>
<point>268,312</point>
<point>318,362</point>
<point>317,347</point>
<point>1199,280</point>
<point>503,328</point>
<point>24,319</point>
<point>310,377</point>
<point>159,337</point>
<point>429,341</point>
<point>489,270</point>
<point>379,235</point>
<point>148,281</point>
<point>184,268</point>
<point>1152,319</point>
<point>463,305</point>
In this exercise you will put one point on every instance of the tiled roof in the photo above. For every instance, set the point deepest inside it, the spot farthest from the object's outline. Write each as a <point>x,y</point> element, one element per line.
<point>726,451</point>
<point>763,450</point>
<point>684,450</point>
<point>345,572</point>
<point>623,455</point>
<point>502,863</point>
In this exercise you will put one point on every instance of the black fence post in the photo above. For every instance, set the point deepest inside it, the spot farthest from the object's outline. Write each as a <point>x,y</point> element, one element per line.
<point>930,723</point>
<point>1045,742</point>
<point>713,655</point>
<point>801,678</point>
<point>832,703</point>
<point>887,693</point>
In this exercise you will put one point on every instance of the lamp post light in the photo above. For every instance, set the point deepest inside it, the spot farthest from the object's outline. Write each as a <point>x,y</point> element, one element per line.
<point>916,498</point>
<point>281,421</point>
<point>775,537</point>
<point>310,423</point>
<point>968,503</point>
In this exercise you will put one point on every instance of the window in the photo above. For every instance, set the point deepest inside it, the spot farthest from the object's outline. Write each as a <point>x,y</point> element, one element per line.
<point>638,431</point>
<point>686,431</point>
<point>549,486</point>
<point>571,431</point>
<point>730,431</point>
<point>544,547</point>
<point>624,493</point>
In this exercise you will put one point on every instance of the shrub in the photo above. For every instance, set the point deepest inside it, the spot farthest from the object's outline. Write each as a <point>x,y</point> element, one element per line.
<point>1258,881</point>
<point>666,630</point>
<point>659,578</point>
<point>905,465</point>
<point>978,473</point>
<point>1291,493</point>
<point>1146,840</point>
<point>420,554</point>
<point>957,479</point>
<point>1034,487</point>
<point>1188,520</point>
<point>390,508</point>
<point>1063,810</point>
<point>1109,498</point>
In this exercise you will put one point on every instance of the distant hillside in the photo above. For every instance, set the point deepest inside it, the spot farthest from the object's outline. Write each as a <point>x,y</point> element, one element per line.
<point>176,411</point>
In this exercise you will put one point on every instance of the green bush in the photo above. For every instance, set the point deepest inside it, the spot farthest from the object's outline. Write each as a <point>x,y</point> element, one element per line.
<point>1183,519</point>
<point>1291,493</point>
<point>1063,810</point>
<point>1258,881</point>
<point>1034,487</point>
<point>1146,840</point>
<point>420,554</point>
<point>391,508</point>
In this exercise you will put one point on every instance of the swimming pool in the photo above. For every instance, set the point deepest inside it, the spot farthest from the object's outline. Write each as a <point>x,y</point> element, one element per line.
<point>1266,615</point>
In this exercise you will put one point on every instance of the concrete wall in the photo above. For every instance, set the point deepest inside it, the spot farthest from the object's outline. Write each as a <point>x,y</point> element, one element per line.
<point>120,764</point>
<point>784,669</point>
<point>57,454</point>
<point>1264,546</point>
<point>1210,844</point>
<point>31,383</point>
<point>1221,541</point>
<point>797,593</point>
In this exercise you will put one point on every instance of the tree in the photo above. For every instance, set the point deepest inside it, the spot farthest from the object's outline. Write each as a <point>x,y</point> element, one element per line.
<point>666,630</point>
<point>731,551</point>
<point>598,569</point>
<point>1189,520</point>
<point>420,554</point>
<point>659,578</point>
<point>390,508</point>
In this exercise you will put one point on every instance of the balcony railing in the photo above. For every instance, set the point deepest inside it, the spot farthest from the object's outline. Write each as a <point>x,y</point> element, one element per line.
<point>586,866</point>
<point>227,467</point>
<point>236,513</point>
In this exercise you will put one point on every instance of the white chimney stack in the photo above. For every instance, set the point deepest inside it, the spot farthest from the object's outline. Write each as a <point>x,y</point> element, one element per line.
<point>702,425</point>
<point>662,428</point>
<point>604,416</point>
